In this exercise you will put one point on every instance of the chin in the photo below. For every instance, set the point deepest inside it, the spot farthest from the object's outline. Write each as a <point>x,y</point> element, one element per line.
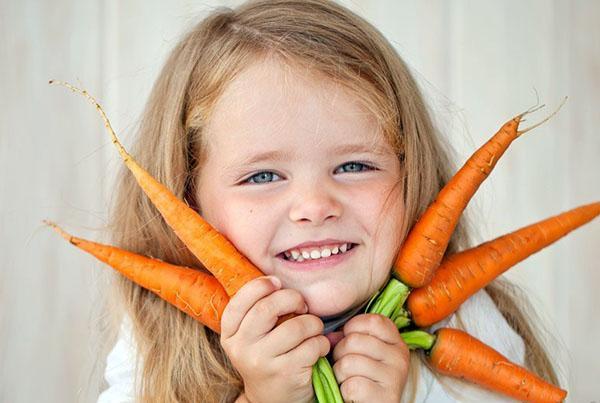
<point>329,303</point>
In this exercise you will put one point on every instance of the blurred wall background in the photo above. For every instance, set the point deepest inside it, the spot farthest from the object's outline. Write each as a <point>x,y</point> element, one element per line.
<point>478,62</point>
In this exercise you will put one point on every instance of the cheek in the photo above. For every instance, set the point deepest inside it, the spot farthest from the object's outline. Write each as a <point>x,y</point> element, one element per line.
<point>247,227</point>
<point>381,209</point>
<point>385,228</point>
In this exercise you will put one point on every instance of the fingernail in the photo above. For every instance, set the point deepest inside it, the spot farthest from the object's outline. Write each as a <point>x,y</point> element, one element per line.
<point>276,282</point>
<point>305,308</point>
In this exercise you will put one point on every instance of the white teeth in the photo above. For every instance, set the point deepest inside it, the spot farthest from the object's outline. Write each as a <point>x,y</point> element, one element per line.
<point>299,256</point>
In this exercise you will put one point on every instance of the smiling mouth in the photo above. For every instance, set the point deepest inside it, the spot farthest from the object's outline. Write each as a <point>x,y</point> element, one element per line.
<point>319,263</point>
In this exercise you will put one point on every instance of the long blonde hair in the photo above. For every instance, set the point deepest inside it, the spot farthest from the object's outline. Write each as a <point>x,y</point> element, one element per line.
<point>181,361</point>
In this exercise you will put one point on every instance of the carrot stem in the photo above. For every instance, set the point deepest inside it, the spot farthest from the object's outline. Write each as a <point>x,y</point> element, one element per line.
<point>330,385</point>
<point>418,259</point>
<point>318,386</point>
<point>389,302</point>
<point>194,292</point>
<point>418,339</point>
<point>402,321</point>
<point>219,256</point>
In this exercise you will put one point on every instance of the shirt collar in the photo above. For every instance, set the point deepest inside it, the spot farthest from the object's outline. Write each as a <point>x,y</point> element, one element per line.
<point>335,321</point>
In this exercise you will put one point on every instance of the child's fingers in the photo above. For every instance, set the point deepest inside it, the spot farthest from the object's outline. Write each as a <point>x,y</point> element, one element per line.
<point>262,317</point>
<point>374,325</point>
<point>243,301</point>
<point>307,353</point>
<point>360,365</point>
<point>370,346</point>
<point>292,332</point>
<point>360,389</point>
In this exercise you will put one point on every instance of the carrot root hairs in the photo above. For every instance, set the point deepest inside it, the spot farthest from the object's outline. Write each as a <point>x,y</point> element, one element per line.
<point>230,267</point>
<point>415,265</point>
<point>427,241</point>
<point>218,255</point>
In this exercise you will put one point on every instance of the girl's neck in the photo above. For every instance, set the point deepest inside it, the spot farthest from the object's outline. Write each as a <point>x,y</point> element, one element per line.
<point>334,321</point>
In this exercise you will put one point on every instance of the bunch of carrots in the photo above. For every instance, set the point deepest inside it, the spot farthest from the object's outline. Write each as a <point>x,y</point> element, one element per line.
<point>425,288</point>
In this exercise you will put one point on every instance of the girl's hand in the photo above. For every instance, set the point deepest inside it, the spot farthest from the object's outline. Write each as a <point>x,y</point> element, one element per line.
<point>275,363</point>
<point>371,360</point>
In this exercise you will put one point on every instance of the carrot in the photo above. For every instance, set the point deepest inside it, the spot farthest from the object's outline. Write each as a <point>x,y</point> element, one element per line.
<point>218,255</point>
<point>426,243</point>
<point>457,354</point>
<point>418,258</point>
<point>196,293</point>
<point>463,274</point>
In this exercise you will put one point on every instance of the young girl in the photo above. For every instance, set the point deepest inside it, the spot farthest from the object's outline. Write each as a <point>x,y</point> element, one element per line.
<point>297,131</point>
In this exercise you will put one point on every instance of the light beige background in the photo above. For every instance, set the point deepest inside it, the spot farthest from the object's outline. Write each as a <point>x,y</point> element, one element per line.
<point>479,63</point>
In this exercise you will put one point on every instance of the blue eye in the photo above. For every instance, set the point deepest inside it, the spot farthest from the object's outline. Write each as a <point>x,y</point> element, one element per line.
<point>267,176</point>
<point>357,165</point>
<point>261,175</point>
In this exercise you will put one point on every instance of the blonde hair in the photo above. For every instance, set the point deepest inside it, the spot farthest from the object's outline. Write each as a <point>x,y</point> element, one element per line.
<point>181,361</point>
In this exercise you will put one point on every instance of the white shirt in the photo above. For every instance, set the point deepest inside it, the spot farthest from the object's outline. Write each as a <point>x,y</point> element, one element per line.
<point>479,315</point>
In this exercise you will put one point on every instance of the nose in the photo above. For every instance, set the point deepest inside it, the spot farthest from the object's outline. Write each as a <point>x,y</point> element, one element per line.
<point>314,204</point>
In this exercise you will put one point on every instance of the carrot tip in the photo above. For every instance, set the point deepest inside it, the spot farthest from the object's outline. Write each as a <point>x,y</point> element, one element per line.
<point>59,230</point>
<point>531,110</point>
<point>98,107</point>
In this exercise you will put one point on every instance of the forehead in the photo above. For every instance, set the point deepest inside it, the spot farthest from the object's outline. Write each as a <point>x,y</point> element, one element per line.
<point>276,106</point>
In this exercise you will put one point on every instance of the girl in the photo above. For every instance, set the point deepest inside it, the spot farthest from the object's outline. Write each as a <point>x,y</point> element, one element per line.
<point>296,130</point>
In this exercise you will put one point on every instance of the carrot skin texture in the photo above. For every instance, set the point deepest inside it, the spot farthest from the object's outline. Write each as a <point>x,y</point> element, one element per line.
<point>230,267</point>
<point>194,292</point>
<point>426,243</point>
<point>233,270</point>
<point>457,354</point>
<point>218,255</point>
<point>463,274</point>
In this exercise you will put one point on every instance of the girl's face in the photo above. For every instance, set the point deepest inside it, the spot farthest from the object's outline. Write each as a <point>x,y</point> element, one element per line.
<point>293,158</point>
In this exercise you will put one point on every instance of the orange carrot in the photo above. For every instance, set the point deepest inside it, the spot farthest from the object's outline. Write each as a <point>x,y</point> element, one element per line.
<point>463,274</point>
<point>457,354</point>
<point>218,255</point>
<point>418,258</point>
<point>426,243</point>
<point>196,293</point>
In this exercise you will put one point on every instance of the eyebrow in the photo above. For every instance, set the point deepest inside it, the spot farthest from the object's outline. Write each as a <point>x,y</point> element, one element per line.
<point>286,156</point>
